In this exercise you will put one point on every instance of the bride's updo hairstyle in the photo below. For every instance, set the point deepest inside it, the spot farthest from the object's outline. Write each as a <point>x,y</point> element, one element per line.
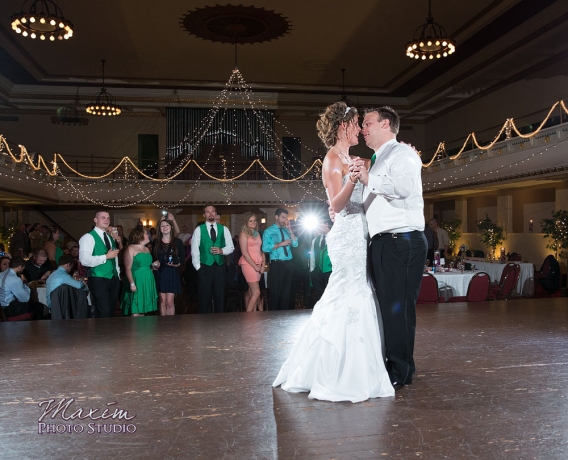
<point>331,119</point>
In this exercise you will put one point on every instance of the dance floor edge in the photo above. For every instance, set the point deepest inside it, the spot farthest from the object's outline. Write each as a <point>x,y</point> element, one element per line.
<point>490,384</point>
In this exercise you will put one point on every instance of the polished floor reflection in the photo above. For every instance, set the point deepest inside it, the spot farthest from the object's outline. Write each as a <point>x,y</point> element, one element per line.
<point>491,383</point>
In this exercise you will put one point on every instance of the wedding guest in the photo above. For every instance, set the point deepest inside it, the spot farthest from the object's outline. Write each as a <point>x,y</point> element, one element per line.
<point>62,276</point>
<point>35,237</point>
<point>210,243</point>
<point>139,295</point>
<point>153,234</point>
<point>170,253</point>
<point>15,294</point>
<point>38,267</point>
<point>123,238</point>
<point>19,243</point>
<point>54,252</point>
<point>320,264</point>
<point>184,235</point>
<point>252,259</point>
<point>73,248</point>
<point>169,216</point>
<point>4,263</point>
<point>441,237</point>
<point>98,251</point>
<point>278,239</point>
<point>429,234</point>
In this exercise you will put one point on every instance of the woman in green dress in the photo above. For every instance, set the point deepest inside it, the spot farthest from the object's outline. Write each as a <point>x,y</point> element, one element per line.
<point>139,295</point>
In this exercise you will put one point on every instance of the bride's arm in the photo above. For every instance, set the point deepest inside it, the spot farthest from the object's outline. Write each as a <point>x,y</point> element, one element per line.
<point>333,171</point>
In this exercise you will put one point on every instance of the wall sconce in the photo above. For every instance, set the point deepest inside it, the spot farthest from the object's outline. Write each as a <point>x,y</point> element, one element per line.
<point>263,220</point>
<point>530,226</point>
<point>147,224</point>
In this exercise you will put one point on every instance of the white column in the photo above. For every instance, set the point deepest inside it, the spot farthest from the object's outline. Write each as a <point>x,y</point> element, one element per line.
<point>505,211</point>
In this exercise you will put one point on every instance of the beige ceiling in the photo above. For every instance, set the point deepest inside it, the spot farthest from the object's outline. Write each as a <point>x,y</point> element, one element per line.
<point>147,51</point>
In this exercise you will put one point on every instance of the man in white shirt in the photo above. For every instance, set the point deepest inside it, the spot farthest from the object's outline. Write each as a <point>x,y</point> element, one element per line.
<point>395,214</point>
<point>441,236</point>
<point>98,251</point>
<point>15,294</point>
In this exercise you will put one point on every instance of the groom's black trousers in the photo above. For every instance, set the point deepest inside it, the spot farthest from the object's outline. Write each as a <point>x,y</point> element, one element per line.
<point>398,263</point>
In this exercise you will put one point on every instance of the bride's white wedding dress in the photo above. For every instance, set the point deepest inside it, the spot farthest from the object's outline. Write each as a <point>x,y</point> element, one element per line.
<point>339,353</point>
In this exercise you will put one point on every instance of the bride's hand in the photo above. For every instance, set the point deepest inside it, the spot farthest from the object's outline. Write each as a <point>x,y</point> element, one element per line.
<point>331,212</point>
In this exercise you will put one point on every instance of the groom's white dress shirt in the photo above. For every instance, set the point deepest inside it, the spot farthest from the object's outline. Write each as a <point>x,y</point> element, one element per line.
<point>393,196</point>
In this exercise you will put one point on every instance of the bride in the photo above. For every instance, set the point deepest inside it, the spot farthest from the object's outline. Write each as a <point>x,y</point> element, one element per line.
<point>339,354</point>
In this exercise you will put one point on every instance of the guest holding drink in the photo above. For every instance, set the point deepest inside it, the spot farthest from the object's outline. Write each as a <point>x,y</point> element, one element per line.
<point>169,252</point>
<point>252,259</point>
<point>139,295</point>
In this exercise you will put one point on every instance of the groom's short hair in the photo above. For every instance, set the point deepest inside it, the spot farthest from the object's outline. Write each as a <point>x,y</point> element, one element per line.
<point>387,113</point>
<point>280,211</point>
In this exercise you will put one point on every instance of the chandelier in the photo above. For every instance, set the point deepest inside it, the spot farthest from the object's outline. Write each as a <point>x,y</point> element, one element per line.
<point>432,41</point>
<point>44,20</point>
<point>105,103</point>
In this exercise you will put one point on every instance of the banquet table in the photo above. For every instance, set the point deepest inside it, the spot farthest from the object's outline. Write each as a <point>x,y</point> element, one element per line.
<point>453,284</point>
<point>525,285</point>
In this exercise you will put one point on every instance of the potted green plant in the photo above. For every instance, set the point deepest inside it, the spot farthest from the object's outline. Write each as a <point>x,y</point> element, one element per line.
<point>453,227</point>
<point>6,232</point>
<point>556,229</point>
<point>491,233</point>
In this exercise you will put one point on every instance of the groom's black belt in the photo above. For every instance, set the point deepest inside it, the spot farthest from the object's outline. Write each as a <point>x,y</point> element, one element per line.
<point>395,234</point>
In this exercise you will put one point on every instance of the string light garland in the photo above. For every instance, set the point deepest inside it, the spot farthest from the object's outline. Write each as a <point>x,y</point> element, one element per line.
<point>44,20</point>
<point>508,127</point>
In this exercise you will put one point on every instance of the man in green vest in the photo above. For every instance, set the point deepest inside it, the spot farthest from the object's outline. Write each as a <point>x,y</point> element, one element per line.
<point>320,264</point>
<point>99,252</point>
<point>210,243</point>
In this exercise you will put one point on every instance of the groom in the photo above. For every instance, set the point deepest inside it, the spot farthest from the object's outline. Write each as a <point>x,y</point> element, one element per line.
<point>395,214</point>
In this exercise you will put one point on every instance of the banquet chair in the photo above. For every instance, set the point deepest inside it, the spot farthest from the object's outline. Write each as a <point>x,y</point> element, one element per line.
<point>22,317</point>
<point>429,290</point>
<point>506,269</point>
<point>477,289</point>
<point>503,292</point>
<point>68,302</point>
<point>547,279</point>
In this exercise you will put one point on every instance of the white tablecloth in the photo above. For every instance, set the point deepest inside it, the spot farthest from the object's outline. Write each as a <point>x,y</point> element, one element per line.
<point>525,285</point>
<point>453,284</point>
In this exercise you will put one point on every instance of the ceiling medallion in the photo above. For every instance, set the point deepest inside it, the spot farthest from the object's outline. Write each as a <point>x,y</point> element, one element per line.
<point>105,103</point>
<point>432,42</point>
<point>44,20</point>
<point>235,24</point>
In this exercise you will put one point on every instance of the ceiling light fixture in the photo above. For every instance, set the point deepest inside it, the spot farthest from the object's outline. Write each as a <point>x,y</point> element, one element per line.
<point>105,103</point>
<point>430,40</point>
<point>44,20</point>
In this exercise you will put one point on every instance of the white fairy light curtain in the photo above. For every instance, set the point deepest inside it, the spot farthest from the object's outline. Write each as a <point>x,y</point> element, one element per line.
<point>230,128</point>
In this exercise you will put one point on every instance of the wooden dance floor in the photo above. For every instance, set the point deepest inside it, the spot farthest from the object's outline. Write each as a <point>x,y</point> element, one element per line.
<point>491,383</point>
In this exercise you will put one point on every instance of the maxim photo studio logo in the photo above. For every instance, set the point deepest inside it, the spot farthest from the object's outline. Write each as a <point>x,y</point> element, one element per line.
<point>62,417</point>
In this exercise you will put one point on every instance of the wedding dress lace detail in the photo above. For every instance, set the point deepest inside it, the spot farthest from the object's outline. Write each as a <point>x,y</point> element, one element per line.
<point>339,354</point>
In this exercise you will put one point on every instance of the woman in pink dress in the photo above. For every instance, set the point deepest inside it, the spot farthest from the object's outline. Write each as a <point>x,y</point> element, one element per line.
<point>252,259</point>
